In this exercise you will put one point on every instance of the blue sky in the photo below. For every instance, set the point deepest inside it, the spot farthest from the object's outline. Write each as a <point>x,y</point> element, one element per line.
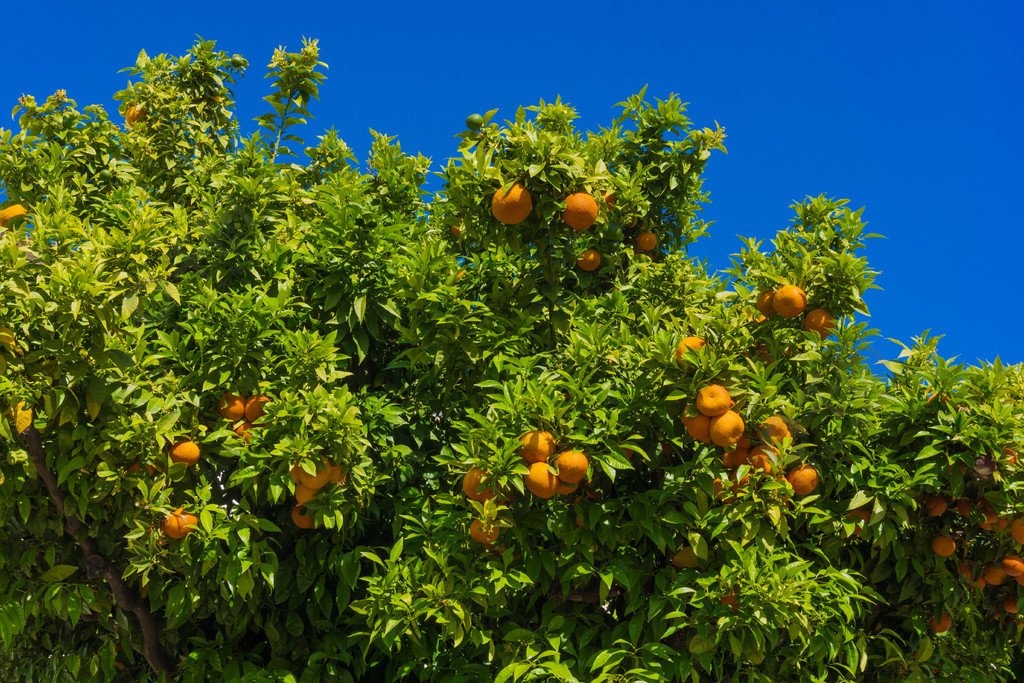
<point>911,110</point>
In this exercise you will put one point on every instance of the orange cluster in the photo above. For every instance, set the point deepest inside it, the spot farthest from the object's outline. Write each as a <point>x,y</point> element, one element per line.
<point>717,423</point>
<point>242,412</point>
<point>308,485</point>
<point>789,301</point>
<point>993,573</point>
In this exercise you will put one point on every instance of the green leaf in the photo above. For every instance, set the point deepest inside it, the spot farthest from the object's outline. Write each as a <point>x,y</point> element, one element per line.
<point>58,573</point>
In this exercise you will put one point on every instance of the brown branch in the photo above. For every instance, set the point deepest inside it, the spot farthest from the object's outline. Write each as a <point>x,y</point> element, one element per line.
<point>97,565</point>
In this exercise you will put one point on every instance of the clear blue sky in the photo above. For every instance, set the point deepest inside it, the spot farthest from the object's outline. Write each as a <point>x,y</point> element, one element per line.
<point>911,110</point>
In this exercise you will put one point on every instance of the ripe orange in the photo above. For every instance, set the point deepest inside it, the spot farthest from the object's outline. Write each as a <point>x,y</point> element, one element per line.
<point>688,343</point>
<point>537,446</point>
<point>646,241</point>
<point>294,472</point>
<point>337,474</point>
<point>471,485</point>
<point>540,482</point>
<point>777,428</point>
<point>804,479</point>
<point>821,321</point>
<point>243,430</point>
<point>580,211</point>
<point>136,112</point>
<point>1013,566</point>
<point>963,506</point>
<point>765,303</point>
<point>11,212</point>
<point>762,457</point>
<point>254,408</point>
<point>789,301</point>
<point>935,505</point>
<point>1017,530</point>
<point>726,429</point>
<point>730,601</point>
<point>178,524</point>
<point>300,520</point>
<point>513,207</point>
<point>713,400</point>
<point>945,623</point>
<point>304,494</point>
<point>685,558</point>
<point>994,574</point>
<point>698,427</point>
<point>564,488</point>
<point>736,458</point>
<point>589,260</point>
<point>185,451</point>
<point>862,515</point>
<point>480,534</point>
<point>943,546</point>
<point>1010,604</point>
<point>609,199</point>
<point>572,466</point>
<point>315,481</point>
<point>231,407</point>
<point>456,231</point>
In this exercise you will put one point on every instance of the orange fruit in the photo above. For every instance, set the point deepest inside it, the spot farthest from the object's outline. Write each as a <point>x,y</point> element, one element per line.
<point>821,321</point>
<point>698,427</point>
<point>231,407</point>
<point>537,446</point>
<point>735,458</point>
<point>11,212</point>
<point>726,429</point>
<point>540,481</point>
<point>789,301</point>
<point>300,520</point>
<point>1013,566</point>
<point>965,569</point>
<point>480,534</point>
<point>687,344</point>
<point>315,481</point>
<point>609,199</point>
<point>935,505</point>
<point>337,474</point>
<point>178,524</point>
<point>1019,579</point>
<point>572,466</point>
<point>580,211</point>
<point>943,546</point>
<point>945,623</point>
<point>589,261</point>
<point>242,429</point>
<point>1010,604</point>
<point>136,112</point>
<point>994,574</point>
<point>304,494</point>
<point>254,408</point>
<point>294,472</point>
<point>862,515</point>
<point>456,231</point>
<point>762,457</point>
<point>765,303</point>
<point>1017,530</point>
<point>963,506</point>
<point>564,488</point>
<point>513,207</point>
<point>804,479</point>
<point>685,558</point>
<point>471,485</point>
<point>713,400</point>
<point>730,601</point>
<point>185,451</point>
<point>777,428</point>
<point>646,241</point>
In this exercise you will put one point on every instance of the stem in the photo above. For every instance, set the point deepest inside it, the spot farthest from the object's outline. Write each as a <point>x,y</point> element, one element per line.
<point>280,125</point>
<point>96,564</point>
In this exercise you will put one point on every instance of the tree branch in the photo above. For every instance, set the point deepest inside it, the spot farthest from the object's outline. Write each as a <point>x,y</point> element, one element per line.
<point>96,564</point>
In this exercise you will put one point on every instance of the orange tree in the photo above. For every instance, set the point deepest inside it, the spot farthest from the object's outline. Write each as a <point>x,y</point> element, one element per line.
<point>273,417</point>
